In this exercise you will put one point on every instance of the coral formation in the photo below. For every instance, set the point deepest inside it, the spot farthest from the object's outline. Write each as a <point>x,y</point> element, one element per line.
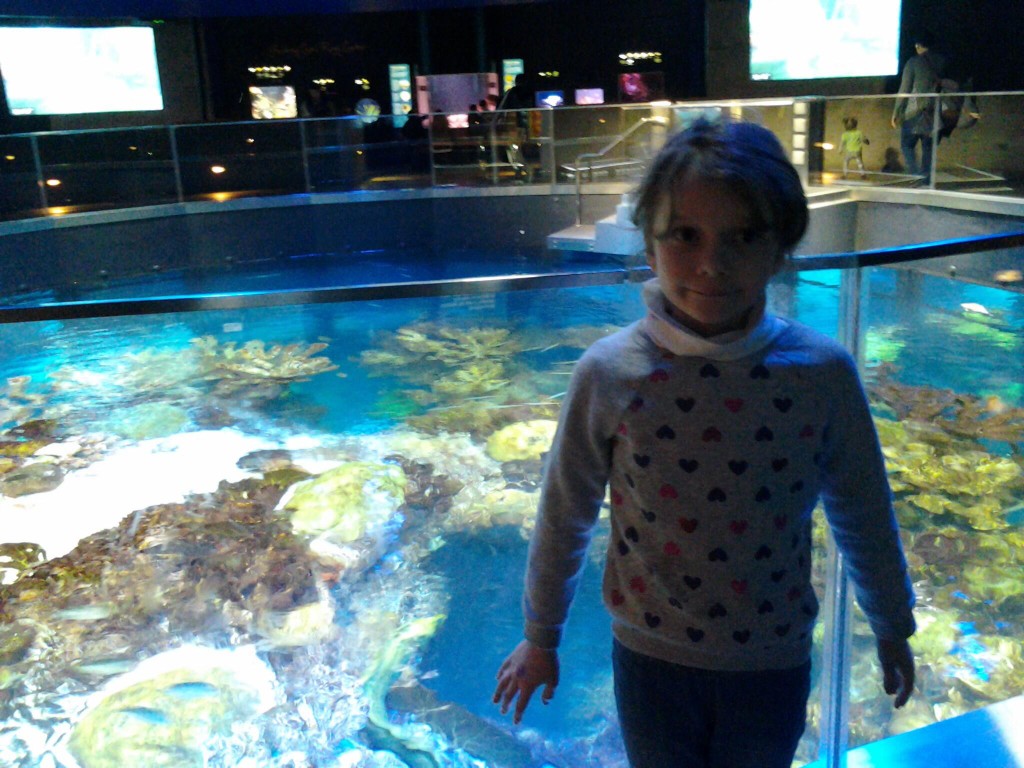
<point>255,370</point>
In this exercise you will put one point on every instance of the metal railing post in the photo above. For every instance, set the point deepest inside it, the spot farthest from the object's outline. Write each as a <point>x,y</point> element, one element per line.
<point>933,160</point>
<point>305,156</point>
<point>838,598</point>
<point>176,160</point>
<point>40,181</point>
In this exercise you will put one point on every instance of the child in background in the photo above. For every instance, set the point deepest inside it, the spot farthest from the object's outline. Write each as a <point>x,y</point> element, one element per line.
<point>851,144</point>
<point>717,426</point>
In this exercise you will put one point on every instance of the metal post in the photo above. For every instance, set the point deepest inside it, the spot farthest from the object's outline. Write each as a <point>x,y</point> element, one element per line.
<point>936,118</point>
<point>305,156</point>
<point>547,139</point>
<point>177,164</point>
<point>838,598</point>
<point>430,148</point>
<point>40,181</point>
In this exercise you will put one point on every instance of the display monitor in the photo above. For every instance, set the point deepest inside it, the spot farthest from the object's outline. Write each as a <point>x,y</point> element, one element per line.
<point>458,121</point>
<point>590,95</point>
<point>641,86</point>
<point>76,70</point>
<point>269,102</point>
<point>824,39</point>
<point>549,98</point>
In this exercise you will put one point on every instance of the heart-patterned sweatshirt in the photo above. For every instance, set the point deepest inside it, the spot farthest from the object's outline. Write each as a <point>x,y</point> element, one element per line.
<point>714,453</point>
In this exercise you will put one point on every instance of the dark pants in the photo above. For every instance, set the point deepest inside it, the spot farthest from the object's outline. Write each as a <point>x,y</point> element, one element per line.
<point>908,145</point>
<point>681,717</point>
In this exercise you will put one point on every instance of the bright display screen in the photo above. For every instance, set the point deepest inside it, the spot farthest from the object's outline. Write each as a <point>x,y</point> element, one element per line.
<point>590,95</point>
<point>549,98</point>
<point>75,70</point>
<point>270,102</point>
<point>823,38</point>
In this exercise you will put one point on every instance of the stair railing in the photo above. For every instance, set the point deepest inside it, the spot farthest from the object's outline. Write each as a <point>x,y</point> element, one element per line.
<point>590,157</point>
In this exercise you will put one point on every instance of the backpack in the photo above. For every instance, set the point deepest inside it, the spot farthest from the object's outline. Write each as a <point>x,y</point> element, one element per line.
<point>955,109</point>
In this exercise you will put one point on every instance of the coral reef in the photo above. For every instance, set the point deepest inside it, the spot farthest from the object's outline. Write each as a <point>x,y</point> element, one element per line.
<point>255,371</point>
<point>960,415</point>
<point>464,379</point>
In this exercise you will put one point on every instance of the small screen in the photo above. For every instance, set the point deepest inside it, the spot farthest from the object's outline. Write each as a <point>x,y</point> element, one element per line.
<point>269,102</point>
<point>590,95</point>
<point>641,86</point>
<point>550,98</point>
<point>77,70</point>
<point>824,38</point>
<point>458,121</point>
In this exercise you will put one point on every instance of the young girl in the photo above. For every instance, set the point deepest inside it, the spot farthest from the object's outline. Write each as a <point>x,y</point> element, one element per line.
<point>717,426</point>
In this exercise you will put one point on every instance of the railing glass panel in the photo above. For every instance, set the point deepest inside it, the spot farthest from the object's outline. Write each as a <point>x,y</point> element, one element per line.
<point>224,160</point>
<point>944,362</point>
<point>19,174</point>
<point>972,154</point>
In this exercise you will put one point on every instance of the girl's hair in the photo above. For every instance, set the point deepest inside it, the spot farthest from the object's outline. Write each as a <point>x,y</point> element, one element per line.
<point>745,157</point>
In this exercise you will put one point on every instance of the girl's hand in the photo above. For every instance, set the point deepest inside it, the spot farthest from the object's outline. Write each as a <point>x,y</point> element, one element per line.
<point>897,669</point>
<point>526,669</point>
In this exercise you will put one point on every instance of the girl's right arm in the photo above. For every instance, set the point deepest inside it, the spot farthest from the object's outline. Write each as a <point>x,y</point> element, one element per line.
<point>523,672</point>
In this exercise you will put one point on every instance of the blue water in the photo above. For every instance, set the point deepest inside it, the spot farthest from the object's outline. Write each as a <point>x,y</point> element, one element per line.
<point>932,339</point>
<point>314,271</point>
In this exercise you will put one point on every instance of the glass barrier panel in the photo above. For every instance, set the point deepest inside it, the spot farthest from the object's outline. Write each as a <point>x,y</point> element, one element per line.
<point>363,153</point>
<point>221,161</point>
<point>85,170</point>
<point>944,363</point>
<point>225,585</point>
<point>172,584</point>
<point>979,149</point>
<point>490,151</point>
<point>589,130</point>
<point>19,188</point>
<point>973,153</point>
<point>879,146</point>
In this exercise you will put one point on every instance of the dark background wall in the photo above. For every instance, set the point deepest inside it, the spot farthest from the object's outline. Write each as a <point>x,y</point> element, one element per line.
<point>205,47</point>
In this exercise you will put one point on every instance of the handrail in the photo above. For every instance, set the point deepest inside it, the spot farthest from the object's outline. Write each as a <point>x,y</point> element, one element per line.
<point>473,285</point>
<point>880,257</point>
<point>602,152</point>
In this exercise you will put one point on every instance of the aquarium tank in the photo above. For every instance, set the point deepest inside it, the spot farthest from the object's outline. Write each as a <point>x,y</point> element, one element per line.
<point>295,535</point>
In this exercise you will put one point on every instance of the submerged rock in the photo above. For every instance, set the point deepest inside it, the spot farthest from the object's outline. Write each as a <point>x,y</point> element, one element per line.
<point>268,460</point>
<point>522,440</point>
<point>31,478</point>
<point>150,420</point>
<point>348,501</point>
<point>166,711</point>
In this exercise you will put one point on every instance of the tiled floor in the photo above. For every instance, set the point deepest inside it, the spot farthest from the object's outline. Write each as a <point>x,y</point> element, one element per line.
<point>987,738</point>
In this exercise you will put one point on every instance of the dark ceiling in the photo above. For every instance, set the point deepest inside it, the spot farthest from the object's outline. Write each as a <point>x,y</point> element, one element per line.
<point>168,9</point>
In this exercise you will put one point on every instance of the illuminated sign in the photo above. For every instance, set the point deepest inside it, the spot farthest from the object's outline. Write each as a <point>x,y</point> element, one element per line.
<point>509,69</point>
<point>400,78</point>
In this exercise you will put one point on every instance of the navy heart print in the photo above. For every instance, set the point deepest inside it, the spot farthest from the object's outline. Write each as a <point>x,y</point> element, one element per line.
<point>724,501</point>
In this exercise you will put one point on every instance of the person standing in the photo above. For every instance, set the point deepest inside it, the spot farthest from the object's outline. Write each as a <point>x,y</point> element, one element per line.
<point>913,112</point>
<point>717,427</point>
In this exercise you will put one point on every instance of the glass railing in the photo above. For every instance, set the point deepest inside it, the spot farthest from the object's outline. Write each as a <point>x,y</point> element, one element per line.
<point>238,527</point>
<point>61,172</point>
<point>974,139</point>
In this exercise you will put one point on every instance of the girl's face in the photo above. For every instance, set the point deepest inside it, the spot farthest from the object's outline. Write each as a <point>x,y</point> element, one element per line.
<point>711,260</point>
